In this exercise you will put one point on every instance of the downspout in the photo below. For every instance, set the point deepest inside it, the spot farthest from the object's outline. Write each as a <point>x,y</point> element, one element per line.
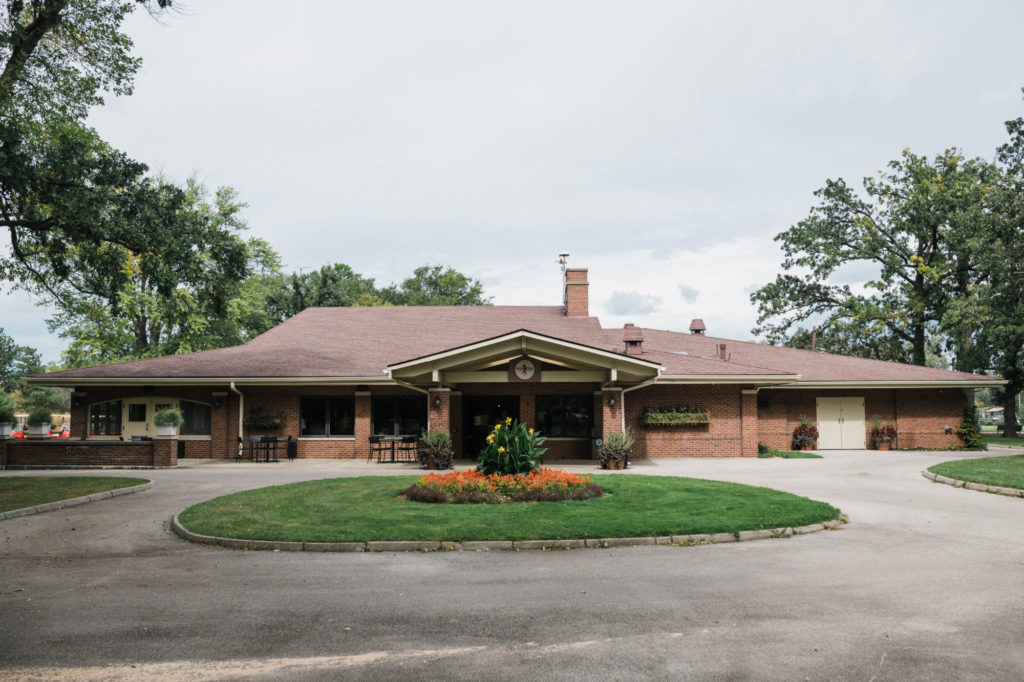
<point>623,398</point>
<point>241,411</point>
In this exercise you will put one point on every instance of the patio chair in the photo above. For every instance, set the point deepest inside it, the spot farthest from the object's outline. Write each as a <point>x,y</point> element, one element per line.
<point>406,449</point>
<point>379,448</point>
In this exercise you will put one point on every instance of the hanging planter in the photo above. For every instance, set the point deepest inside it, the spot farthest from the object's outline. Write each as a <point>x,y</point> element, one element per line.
<point>675,416</point>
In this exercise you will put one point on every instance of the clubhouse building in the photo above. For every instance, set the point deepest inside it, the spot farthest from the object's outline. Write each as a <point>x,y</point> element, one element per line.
<point>333,377</point>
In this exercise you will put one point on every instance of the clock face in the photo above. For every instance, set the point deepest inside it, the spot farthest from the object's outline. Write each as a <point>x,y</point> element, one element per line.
<point>525,369</point>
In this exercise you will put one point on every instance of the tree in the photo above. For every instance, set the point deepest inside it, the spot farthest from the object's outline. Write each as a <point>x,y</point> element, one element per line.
<point>919,226</point>
<point>60,184</point>
<point>331,285</point>
<point>16,362</point>
<point>184,293</point>
<point>436,285</point>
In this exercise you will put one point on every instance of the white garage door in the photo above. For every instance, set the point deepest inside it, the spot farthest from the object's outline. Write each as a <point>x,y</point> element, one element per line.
<point>840,423</point>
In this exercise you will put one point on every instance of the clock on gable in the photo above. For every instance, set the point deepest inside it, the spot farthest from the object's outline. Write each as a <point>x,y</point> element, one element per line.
<point>524,369</point>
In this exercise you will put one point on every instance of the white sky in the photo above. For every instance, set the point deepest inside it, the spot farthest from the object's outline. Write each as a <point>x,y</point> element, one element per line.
<point>662,144</point>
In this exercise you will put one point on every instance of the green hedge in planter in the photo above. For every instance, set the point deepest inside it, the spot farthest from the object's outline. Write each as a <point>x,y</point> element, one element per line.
<point>676,416</point>
<point>258,419</point>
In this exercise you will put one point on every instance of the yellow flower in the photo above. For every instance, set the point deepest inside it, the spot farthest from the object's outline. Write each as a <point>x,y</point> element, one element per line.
<point>530,432</point>
<point>508,421</point>
<point>498,427</point>
<point>490,439</point>
<point>501,450</point>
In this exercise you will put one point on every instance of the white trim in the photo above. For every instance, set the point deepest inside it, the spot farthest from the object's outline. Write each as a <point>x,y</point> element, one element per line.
<point>203,381</point>
<point>328,438</point>
<point>895,384</point>
<point>181,437</point>
<point>728,378</point>
<point>523,334</point>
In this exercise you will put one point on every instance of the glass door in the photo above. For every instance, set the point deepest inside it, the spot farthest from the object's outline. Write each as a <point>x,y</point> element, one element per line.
<point>480,414</point>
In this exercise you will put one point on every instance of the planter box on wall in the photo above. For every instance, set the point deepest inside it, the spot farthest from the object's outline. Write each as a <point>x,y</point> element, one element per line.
<point>676,418</point>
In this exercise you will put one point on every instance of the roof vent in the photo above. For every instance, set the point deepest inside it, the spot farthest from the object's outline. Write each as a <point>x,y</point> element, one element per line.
<point>634,338</point>
<point>721,352</point>
<point>697,326</point>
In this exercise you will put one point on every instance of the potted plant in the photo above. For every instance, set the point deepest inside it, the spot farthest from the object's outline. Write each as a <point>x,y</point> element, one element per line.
<point>805,435</point>
<point>167,421</point>
<point>258,419</point>
<point>615,449</point>
<point>882,433</point>
<point>39,421</point>
<point>436,450</point>
<point>6,415</point>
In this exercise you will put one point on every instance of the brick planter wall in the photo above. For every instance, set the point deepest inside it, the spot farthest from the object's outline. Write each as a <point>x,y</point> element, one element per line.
<point>58,453</point>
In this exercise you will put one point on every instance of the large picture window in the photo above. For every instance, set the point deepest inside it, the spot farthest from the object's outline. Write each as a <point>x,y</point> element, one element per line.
<point>327,417</point>
<point>565,416</point>
<point>197,418</point>
<point>399,416</point>
<point>105,419</point>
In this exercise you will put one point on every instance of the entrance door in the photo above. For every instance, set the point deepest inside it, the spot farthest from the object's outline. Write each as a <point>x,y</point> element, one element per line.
<point>138,413</point>
<point>479,415</point>
<point>840,423</point>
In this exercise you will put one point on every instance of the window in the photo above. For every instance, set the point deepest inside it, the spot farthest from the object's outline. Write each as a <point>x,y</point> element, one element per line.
<point>327,417</point>
<point>399,416</point>
<point>105,419</point>
<point>197,418</point>
<point>565,416</point>
<point>136,412</point>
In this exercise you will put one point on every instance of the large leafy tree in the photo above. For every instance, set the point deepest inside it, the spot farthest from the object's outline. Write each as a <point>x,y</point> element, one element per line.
<point>436,285</point>
<point>16,362</point>
<point>917,225</point>
<point>60,184</point>
<point>188,291</point>
<point>331,285</point>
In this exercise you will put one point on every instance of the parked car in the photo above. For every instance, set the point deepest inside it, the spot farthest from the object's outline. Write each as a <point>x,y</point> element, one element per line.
<point>18,432</point>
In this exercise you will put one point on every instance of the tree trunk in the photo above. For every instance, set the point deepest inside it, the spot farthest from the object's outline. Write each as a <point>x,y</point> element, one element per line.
<point>1010,409</point>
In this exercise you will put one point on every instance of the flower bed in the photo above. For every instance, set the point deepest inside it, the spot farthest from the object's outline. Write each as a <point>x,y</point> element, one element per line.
<point>474,487</point>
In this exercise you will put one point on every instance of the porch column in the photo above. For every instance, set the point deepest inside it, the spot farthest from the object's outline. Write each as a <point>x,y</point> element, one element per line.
<point>362,425</point>
<point>439,409</point>
<point>748,425</point>
<point>611,415</point>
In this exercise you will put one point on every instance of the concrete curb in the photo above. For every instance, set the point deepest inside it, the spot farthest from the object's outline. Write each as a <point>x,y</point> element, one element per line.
<point>980,487</point>
<point>498,545</point>
<point>74,501</point>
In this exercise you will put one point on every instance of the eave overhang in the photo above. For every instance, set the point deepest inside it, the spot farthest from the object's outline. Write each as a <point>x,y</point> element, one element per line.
<point>759,379</point>
<point>205,381</point>
<point>884,383</point>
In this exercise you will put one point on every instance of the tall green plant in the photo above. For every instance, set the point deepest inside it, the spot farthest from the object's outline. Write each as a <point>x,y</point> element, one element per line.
<point>511,449</point>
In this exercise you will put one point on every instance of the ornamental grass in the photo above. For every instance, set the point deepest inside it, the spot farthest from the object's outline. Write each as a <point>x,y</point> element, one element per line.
<point>474,487</point>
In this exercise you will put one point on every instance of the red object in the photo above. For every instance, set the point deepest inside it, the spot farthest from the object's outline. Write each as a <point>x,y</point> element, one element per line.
<point>18,434</point>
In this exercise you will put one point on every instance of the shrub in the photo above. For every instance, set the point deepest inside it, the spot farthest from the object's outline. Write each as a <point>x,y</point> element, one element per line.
<point>437,443</point>
<point>474,487</point>
<point>6,409</point>
<point>258,419</point>
<point>970,432</point>
<point>511,449</point>
<point>804,434</point>
<point>680,415</point>
<point>762,449</point>
<point>38,416</point>
<point>616,446</point>
<point>168,416</point>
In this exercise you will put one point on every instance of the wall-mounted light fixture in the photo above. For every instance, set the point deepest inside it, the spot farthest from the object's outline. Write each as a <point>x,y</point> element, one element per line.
<point>611,402</point>
<point>78,403</point>
<point>437,402</point>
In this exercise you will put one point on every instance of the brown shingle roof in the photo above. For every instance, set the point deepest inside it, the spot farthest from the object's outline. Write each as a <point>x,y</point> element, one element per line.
<point>362,342</point>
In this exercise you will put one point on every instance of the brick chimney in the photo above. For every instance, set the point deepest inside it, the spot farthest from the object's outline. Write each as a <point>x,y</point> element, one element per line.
<point>634,339</point>
<point>697,326</point>
<point>721,352</point>
<point>576,298</point>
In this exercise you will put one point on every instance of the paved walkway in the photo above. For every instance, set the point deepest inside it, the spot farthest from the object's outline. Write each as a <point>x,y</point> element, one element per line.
<point>925,583</point>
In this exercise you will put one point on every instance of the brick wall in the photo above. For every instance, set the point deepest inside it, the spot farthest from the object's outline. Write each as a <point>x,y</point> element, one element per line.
<point>78,453</point>
<point>921,415</point>
<point>725,436</point>
<point>577,298</point>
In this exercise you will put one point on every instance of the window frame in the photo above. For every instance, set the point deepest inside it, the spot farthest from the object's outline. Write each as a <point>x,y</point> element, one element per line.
<point>397,419</point>
<point>327,402</point>
<point>586,400</point>
<point>112,413</point>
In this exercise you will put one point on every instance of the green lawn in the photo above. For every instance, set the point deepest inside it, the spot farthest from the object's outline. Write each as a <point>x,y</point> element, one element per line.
<point>29,491</point>
<point>1007,472</point>
<point>996,439</point>
<point>369,508</point>
<point>789,454</point>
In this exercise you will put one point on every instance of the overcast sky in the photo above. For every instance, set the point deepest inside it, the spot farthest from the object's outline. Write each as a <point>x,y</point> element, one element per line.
<point>662,144</point>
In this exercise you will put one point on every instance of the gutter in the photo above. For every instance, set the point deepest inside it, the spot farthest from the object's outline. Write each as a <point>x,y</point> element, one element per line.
<point>622,397</point>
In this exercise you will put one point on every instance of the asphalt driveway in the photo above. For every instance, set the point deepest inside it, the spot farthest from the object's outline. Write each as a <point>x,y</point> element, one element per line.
<point>925,583</point>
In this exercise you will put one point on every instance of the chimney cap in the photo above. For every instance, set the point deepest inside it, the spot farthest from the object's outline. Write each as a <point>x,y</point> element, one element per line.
<point>630,332</point>
<point>697,326</point>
